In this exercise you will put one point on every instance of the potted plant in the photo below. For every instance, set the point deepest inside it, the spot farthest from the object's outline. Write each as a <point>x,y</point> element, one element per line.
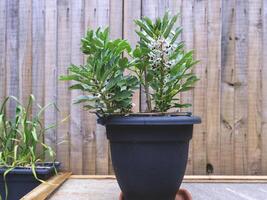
<point>149,150</point>
<point>22,150</point>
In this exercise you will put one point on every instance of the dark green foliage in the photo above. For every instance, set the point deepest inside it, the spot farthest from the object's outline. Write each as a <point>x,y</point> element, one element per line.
<point>106,89</point>
<point>21,136</point>
<point>161,63</point>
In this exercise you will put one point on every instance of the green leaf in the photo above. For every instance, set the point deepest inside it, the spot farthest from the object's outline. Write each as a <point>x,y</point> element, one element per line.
<point>69,78</point>
<point>143,36</point>
<point>123,62</point>
<point>34,134</point>
<point>177,105</point>
<point>84,98</point>
<point>165,21</point>
<point>178,32</point>
<point>137,53</point>
<point>89,107</point>
<point>122,95</point>
<point>148,22</point>
<point>149,77</point>
<point>183,89</point>
<point>170,75</point>
<point>170,26</point>
<point>76,87</point>
<point>143,26</point>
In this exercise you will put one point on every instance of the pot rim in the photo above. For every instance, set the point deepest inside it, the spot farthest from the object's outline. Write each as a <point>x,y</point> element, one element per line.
<point>148,119</point>
<point>42,168</point>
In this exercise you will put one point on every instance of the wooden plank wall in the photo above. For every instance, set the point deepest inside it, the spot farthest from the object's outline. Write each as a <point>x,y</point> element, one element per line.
<point>40,38</point>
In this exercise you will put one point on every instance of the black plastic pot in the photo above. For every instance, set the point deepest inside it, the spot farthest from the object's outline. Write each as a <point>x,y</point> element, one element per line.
<point>21,181</point>
<point>149,154</point>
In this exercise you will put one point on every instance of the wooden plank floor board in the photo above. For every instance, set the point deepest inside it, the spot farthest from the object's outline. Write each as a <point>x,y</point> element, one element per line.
<point>45,189</point>
<point>108,189</point>
<point>87,189</point>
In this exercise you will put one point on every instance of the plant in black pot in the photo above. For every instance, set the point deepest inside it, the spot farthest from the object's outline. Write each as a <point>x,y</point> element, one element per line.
<point>149,150</point>
<point>22,151</point>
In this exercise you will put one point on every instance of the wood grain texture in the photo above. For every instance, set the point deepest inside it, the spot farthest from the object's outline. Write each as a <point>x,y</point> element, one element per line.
<point>200,45</point>
<point>44,190</point>
<point>3,19</point>
<point>264,92</point>
<point>227,87</point>
<point>102,147</point>
<point>76,136</point>
<point>40,39</point>
<point>25,50</point>
<point>254,84</point>
<point>63,94</point>
<point>50,69</point>
<point>116,12</point>
<point>12,53</point>
<point>187,22</point>
<point>231,189</point>
<point>213,84</point>
<point>38,57</point>
<point>188,178</point>
<point>187,16</point>
<point>241,82</point>
<point>38,54</point>
<point>89,120</point>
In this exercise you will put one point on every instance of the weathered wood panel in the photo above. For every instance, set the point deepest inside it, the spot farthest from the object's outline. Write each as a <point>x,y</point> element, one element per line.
<point>92,188</point>
<point>62,92</point>
<point>50,69</point>
<point>200,45</point>
<point>25,50</point>
<point>227,86</point>
<point>264,92</point>
<point>3,12</point>
<point>39,39</point>
<point>102,14</point>
<point>187,16</point>
<point>38,54</point>
<point>213,84</point>
<point>241,84</point>
<point>89,120</point>
<point>254,85</point>
<point>76,136</point>
<point>12,53</point>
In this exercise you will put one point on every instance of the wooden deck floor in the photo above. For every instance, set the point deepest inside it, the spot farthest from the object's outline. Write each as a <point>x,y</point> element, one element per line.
<point>107,189</point>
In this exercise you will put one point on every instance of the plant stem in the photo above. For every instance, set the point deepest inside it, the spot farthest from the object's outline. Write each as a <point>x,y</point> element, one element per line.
<point>148,99</point>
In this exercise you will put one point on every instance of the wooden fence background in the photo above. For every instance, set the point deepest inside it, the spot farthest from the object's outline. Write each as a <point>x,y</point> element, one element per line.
<point>40,38</point>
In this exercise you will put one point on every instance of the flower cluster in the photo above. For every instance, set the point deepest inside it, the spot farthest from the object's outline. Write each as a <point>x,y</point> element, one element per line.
<point>162,63</point>
<point>160,49</point>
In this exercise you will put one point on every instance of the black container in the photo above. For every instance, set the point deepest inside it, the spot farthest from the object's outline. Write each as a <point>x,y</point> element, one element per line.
<point>149,154</point>
<point>21,181</point>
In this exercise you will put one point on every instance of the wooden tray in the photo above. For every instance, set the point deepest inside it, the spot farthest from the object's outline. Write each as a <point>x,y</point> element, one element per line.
<point>45,190</point>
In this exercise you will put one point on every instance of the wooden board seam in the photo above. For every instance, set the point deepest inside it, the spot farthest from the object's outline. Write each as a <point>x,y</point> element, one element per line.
<point>195,179</point>
<point>44,190</point>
